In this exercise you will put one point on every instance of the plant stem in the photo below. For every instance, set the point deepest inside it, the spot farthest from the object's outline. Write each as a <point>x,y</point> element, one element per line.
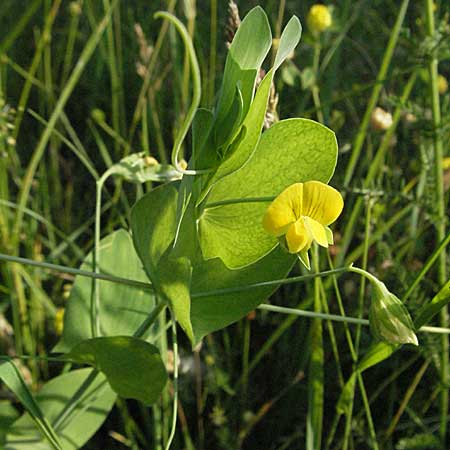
<point>175,381</point>
<point>212,53</point>
<point>80,272</point>
<point>361,136</point>
<point>59,107</point>
<point>440,210</point>
<point>273,308</point>
<point>374,169</point>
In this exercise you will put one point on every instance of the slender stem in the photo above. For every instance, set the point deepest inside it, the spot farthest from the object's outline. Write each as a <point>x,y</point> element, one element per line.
<point>196,93</point>
<point>76,398</point>
<point>279,309</point>
<point>80,272</point>
<point>175,381</point>
<point>59,107</point>
<point>315,87</point>
<point>440,210</point>
<point>159,308</point>
<point>427,266</point>
<point>141,101</point>
<point>19,26</point>
<point>269,283</point>
<point>362,288</point>
<point>315,391</point>
<point>404,403</point>
<point>375,167</point>
<point>95,292</point>
<point>370,423</point>
<point>234,201</point>
<point>361,136</point>
<point>212,53</point>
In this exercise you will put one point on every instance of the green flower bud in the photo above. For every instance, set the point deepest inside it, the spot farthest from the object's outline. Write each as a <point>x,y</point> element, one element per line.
<point>98,115</point>
<point>74,9</point>
<point>389,319</point>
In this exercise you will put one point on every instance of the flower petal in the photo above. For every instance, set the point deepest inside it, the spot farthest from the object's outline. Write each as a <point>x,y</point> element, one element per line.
<point>317,231</point>
<point>321,202</point>
<point>297,237</point>
<point>284,210</point>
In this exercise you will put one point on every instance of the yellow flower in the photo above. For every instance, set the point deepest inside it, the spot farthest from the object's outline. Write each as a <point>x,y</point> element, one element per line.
<point>442,84</point>
<point>446,163</point>
<point>319,18</point>
<point>302,212</point>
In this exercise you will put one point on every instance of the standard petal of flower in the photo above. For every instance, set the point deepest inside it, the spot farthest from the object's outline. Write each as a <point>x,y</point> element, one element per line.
<point>321,202</point>
<point>284,210</point>
<point>297,237</point>
<point>317,231</point>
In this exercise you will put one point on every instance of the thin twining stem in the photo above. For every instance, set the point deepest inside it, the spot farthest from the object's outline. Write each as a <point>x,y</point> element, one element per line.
<point>273,308</point>
<point>72,271</point>
<point>337,318</point>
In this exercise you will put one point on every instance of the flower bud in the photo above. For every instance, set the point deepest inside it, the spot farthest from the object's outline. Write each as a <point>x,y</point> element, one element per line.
<point>98,115</point>
<point>319,18</point>
<point>183,164</point>
<point>149,161</point>
<point>389,319</point>
<point>74,9</point>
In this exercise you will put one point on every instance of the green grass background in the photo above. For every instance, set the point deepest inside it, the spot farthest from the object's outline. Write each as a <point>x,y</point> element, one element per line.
<point>247,387</point>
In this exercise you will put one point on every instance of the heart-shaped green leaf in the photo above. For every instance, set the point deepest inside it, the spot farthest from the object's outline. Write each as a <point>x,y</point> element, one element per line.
<point>291,151</point>
<point>208,310</point>
<point>212,309</point>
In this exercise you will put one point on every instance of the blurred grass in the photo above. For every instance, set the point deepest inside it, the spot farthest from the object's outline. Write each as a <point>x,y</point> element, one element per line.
<point>62,124</point>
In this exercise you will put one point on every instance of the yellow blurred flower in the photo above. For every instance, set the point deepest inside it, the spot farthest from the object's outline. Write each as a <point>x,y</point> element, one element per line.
<point>442,84</point>
<point>302,212</point>
<point>446,163</point>
<point>59,321</point>
<point>319,18</point>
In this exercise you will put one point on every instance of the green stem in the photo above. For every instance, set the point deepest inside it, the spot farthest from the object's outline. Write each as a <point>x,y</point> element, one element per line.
<point>427,266</point>
<point>196,92</point>
<point>362,288</point>
<point>212,53</point>
<point>141,101</point>
<point>234,201</point>
<point>42,144</point>
<point>175,381</point>
<point>273,308</point>
<point>361,136</point>
<point>374,168</point>
<point>20,26</point>
<point>80,272</point>
<point>315,87</point>
<point>115,80</point>
<point>440,210</point>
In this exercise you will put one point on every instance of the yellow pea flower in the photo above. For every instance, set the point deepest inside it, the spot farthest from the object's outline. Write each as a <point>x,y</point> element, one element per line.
<point>302,212</point>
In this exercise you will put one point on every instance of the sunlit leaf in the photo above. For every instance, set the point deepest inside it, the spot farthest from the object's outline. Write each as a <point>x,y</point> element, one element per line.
<point>122,308</point>
<point>86,416</point>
